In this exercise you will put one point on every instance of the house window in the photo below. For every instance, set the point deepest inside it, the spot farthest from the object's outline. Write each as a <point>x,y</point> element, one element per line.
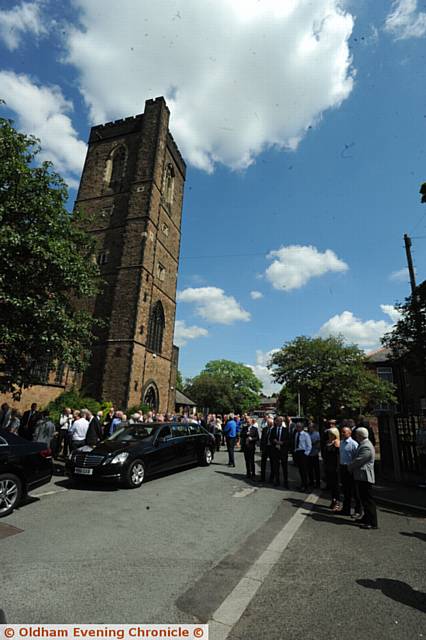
<point>156,327</point>
<point>59,372</point>
<point>161,272</point>
<point>385,374</point>
<point>169,183</point>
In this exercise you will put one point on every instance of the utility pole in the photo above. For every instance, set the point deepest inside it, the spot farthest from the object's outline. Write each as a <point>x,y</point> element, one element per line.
<point>407,242</point>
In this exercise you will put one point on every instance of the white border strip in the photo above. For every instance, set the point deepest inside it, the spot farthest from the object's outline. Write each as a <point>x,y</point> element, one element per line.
<point>233,607</point>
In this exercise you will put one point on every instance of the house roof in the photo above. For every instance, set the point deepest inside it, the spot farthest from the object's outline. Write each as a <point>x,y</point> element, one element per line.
<point>380,355</point>
<point>181,398</point>
<point>269,402</point>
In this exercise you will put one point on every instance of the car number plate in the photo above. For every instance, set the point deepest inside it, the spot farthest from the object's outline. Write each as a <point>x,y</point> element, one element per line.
<point>83,472</point>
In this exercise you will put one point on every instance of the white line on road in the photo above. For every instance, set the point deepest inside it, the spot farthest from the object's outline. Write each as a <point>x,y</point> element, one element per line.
<point>48,493</point>
<point>233,607</point>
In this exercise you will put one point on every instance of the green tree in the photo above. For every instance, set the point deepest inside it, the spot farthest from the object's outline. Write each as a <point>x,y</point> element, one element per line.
<point>407,340</point>
<point>225,386</point>
<point>46,263</point>
<point>287,402</point>
<point>329,375</point>
<point>179,381</point>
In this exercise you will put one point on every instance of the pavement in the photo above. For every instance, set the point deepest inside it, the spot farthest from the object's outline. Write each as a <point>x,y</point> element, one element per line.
<point>406,496</point>
<point>206,545</point>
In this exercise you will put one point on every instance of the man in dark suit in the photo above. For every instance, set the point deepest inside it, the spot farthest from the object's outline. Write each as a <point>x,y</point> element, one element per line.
<point>280,441</point>
<point>94,431</point>
<point>266,449</point>
<point>28,422</point>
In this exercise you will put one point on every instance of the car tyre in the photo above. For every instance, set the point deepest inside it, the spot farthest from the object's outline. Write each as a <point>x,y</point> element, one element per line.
<point>135,474</point>
<point>10,493</point>
<point>207,457</point>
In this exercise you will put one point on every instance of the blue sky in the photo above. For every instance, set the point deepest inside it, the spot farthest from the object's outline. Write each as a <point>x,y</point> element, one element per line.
<point>303,125</point>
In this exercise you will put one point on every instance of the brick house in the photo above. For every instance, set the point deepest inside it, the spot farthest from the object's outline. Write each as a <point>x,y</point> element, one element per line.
<point>410,389</point>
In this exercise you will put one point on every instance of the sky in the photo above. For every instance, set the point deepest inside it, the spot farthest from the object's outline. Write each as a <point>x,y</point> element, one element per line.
<point>303,127</point>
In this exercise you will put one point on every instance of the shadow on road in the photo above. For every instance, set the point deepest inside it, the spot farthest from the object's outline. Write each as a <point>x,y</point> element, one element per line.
<point>414,534</point>
<point>87,484</point>
<point>398,591</point>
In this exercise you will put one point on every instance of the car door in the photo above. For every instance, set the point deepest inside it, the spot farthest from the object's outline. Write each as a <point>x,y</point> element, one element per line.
<point>184,447</point>
<point>163,455</point>
<point>4,455</point>
<point>195,443</point>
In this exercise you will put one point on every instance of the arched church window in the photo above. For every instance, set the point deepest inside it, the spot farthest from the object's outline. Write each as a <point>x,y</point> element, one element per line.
<point>169,183</point>
<point>116,165</point>
<point>156,327</point>
<point>150,397</point>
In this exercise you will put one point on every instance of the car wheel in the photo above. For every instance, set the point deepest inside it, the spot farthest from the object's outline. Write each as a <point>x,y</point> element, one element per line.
<point>135,474</point>
<point>207,457</point>
<point>10,493</point>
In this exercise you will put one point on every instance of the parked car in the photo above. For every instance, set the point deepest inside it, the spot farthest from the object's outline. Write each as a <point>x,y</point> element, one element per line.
<point>23,466</point>
<point>136,451</point>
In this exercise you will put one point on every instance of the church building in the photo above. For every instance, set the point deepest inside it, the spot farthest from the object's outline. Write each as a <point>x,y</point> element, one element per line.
<point>132,184</point>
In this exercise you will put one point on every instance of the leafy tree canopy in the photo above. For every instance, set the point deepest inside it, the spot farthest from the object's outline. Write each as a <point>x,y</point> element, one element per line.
<point>328,374</point>
<point>225,386</point>
<point>287,402</point>
<point>179,381</point>
<point>46,262</point>
<point>407,340</point>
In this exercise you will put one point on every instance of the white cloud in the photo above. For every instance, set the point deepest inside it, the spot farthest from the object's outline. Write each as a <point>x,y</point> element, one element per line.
<point>213,305</point>
<point>295,265</point>
<point>239,75</point>
<point>400,276</point>
<point>256,295</point>
<point>366,334</point>
<point>389,310</point>
<point>41,110</point>
<point>405,20</point>
<point>261,371</point>
<point>183,333</point>
<point>24,18</point>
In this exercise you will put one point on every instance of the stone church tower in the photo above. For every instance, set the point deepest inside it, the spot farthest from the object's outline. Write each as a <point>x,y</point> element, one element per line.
<point>132,183</point>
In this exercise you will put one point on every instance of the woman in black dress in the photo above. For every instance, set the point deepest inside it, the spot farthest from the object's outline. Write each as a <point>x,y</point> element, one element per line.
<point>331,466</point>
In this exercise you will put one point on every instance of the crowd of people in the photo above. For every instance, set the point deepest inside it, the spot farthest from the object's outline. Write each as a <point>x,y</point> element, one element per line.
<point>75,427</point>
<point>346,450</point>
<point>346,453</point>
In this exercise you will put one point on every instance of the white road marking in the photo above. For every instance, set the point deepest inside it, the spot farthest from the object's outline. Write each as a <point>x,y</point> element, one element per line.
<point>48,493</point>
<point>244,492</point>
<point>233,607</point>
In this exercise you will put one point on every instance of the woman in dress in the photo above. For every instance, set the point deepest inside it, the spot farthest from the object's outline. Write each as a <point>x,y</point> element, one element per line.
<point>331,466</point>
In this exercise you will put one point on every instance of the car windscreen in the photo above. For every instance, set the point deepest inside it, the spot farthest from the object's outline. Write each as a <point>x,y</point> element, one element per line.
<point>133,432</point>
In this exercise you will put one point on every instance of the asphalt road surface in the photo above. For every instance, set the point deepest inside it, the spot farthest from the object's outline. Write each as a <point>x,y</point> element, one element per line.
<point>205,545</point>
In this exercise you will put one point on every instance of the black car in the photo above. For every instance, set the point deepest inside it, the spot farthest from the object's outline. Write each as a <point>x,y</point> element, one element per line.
<point>23,466</point>
<point>136,451</point>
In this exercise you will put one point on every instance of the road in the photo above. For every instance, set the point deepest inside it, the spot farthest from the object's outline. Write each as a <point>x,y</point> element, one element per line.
<point>205,545</point>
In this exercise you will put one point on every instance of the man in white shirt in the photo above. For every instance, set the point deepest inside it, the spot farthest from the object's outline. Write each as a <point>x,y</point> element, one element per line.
<point>78,429</point>
<point>65,421</point>
<point>302,449</point>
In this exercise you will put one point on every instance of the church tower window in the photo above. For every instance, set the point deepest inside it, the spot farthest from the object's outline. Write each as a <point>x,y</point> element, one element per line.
<point>156,327</point>
<point>169,183</point>
<point>115,168</point>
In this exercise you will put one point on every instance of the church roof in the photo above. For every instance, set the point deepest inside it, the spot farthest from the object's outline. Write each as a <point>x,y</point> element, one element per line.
<point>181,398</point>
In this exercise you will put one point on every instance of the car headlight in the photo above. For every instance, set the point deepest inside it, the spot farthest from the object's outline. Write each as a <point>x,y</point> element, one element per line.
<point>121,457</point>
